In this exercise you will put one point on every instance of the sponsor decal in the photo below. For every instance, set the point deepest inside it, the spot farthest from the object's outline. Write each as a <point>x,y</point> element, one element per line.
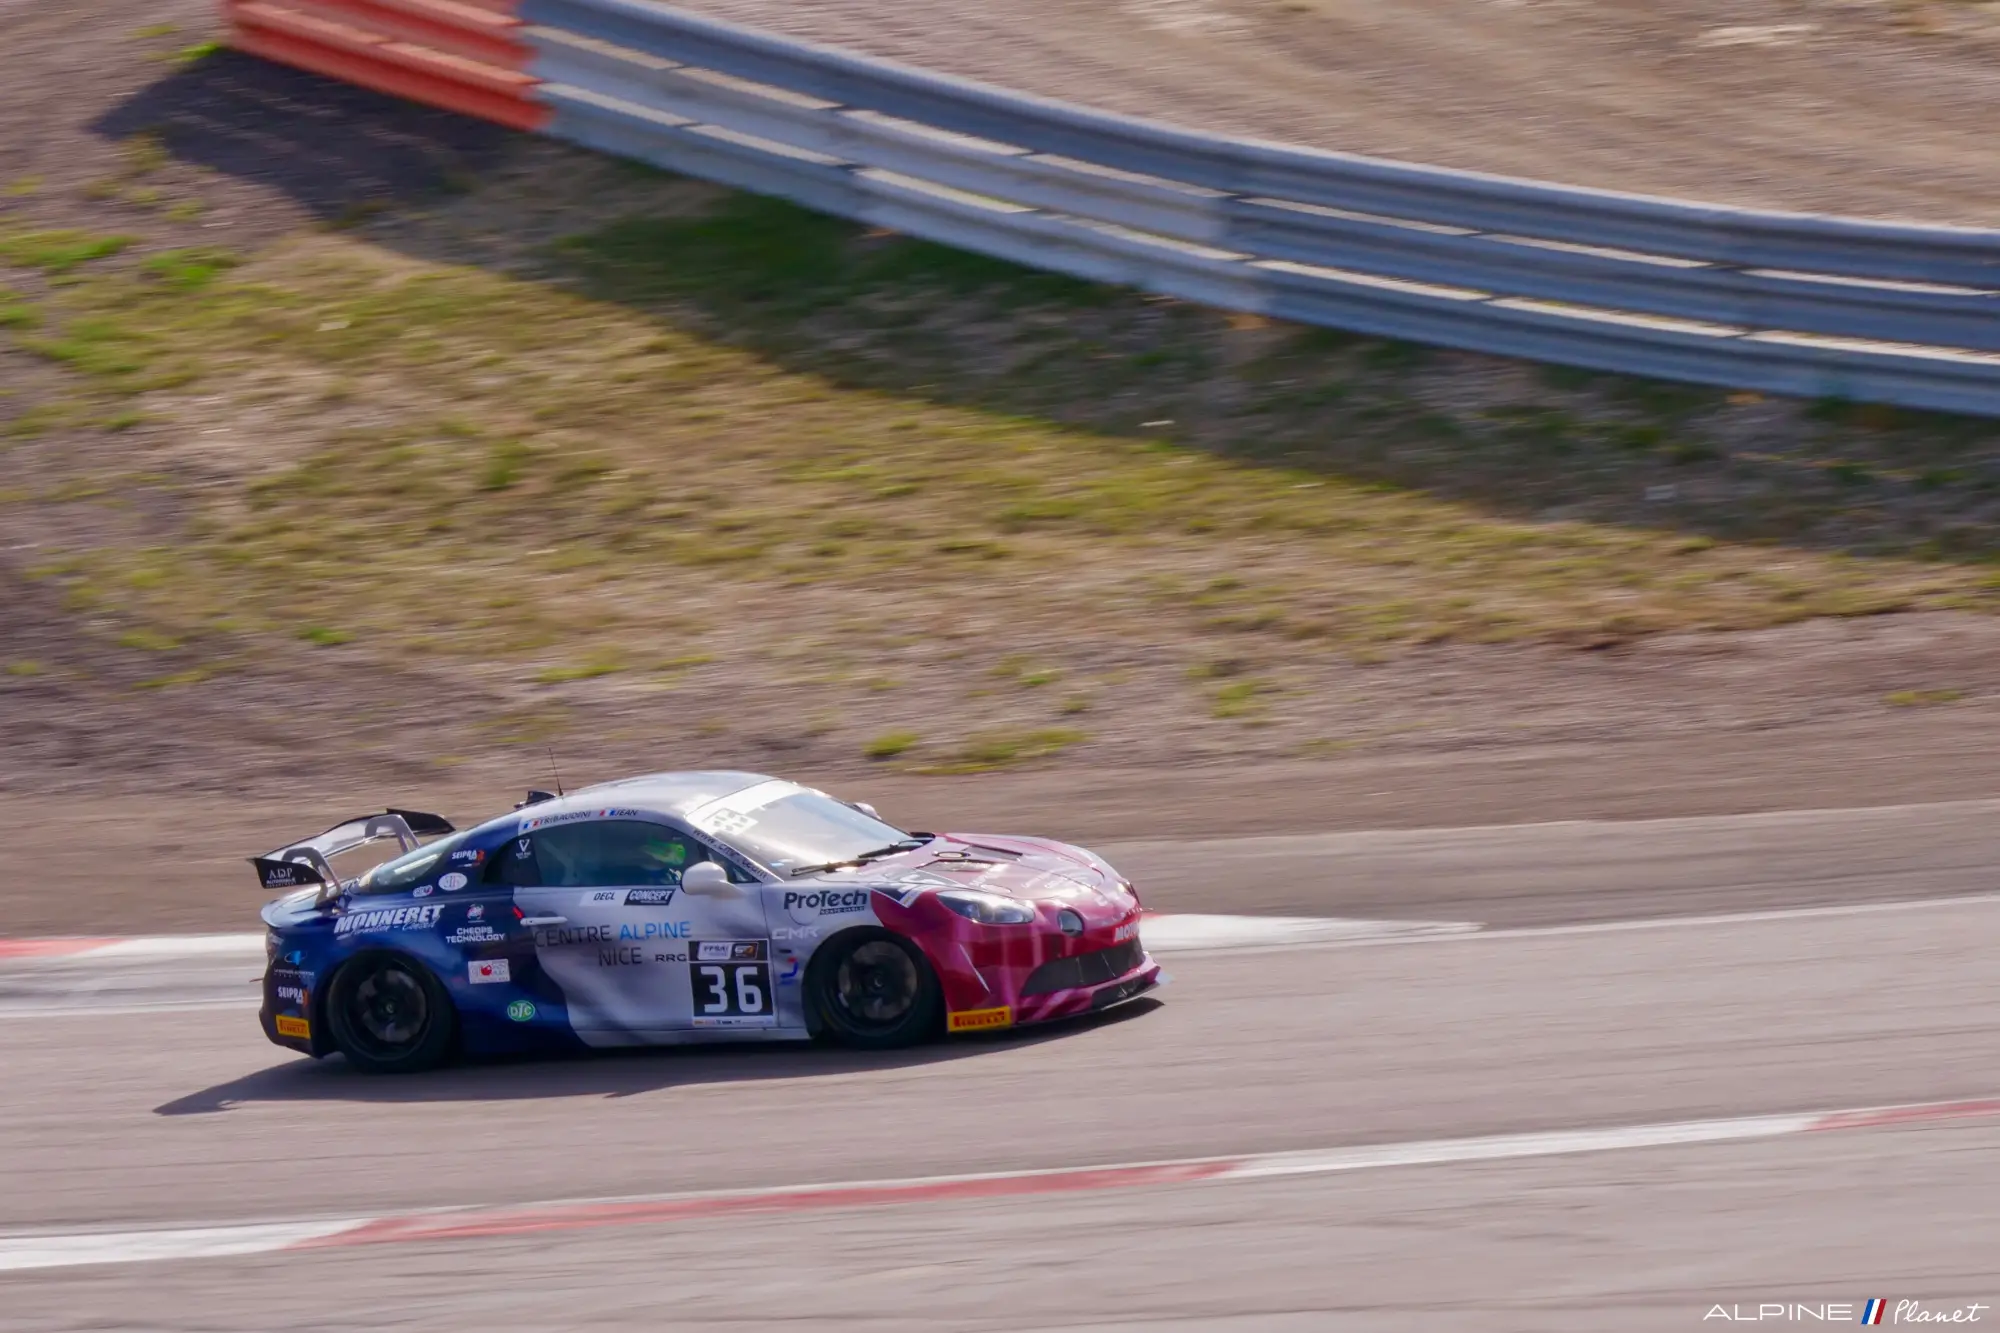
<point>486,971</point>
<point>474,935</point>
<point>670,958</point>
<point>655,930</point>
<point>388,918</point>
<point>451,881</point>
<point>295,957</point>
<point>554,937</point>
<point>649,897</point>
<point>974,1020</point>
<point>730,951</point>
<point>476,912</point>
<point>281,876</point>
<point>620,956</point>
<point>466,856</point>
<point>790,976</point>
<point>290,1025</point>
<point>424,890</point>
<point>1128,931</point>
<point>601,898</point>
<point>521,1011</point>
<point>290,986</point>
<point>523,848</point>
<point>805,908</point>
<point>798,932</point>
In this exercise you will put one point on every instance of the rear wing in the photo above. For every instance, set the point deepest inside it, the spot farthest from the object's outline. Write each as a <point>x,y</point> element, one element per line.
<point>307,863</point>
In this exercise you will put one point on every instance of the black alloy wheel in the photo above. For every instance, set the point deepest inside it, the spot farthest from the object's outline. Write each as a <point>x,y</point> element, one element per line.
<point>389,1015</point>
<point>874,991</point>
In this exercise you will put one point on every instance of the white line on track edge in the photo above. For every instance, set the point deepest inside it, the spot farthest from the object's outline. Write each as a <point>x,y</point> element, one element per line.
<point>26,1252</point>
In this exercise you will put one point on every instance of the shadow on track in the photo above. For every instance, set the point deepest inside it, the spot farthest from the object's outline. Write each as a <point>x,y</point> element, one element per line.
<point>621,1073</point>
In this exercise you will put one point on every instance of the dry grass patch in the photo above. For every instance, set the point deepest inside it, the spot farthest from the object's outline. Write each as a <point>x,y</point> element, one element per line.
<point>760,429</point>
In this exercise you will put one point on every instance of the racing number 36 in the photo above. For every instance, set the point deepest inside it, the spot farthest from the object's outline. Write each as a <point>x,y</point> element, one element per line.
<point>732,983</point>
<point>733,988</point>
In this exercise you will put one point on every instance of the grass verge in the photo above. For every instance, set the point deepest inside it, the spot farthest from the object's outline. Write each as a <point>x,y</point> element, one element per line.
<point>731,421</point>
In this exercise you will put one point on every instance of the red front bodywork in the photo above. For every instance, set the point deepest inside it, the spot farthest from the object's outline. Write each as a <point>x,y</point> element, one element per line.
<point>985,969</point>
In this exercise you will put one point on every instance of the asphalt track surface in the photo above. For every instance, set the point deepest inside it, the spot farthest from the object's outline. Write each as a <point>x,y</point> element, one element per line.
<point>1801,1000</point>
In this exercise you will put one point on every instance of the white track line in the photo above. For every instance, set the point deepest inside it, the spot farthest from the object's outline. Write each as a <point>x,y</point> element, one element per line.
<point>1164,933</point>
<point>20,1252</point>
<point>1168,933</point>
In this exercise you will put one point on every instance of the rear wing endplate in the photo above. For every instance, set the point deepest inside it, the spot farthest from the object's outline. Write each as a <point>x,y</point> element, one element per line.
<point>309,862</point>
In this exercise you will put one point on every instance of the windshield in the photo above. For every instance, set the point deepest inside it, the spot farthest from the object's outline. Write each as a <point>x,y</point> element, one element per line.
<point>411,868</point>
<point>784,826</point>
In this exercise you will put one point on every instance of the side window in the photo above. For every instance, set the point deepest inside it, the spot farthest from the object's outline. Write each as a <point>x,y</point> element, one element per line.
<point>606,853</point>
<point>513,864</point>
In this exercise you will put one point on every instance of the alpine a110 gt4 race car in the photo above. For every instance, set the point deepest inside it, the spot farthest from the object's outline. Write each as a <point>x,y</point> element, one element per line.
<point>682,907</point>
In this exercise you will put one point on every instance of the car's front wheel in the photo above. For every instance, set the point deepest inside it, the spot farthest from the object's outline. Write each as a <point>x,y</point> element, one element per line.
<point>875,991</point>
<point>389,1015</point>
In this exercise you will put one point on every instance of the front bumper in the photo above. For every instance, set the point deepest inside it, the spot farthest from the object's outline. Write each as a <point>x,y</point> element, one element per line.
<point>1075,1001</point>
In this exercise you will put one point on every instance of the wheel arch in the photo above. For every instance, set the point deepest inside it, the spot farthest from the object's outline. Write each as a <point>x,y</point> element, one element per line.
<point>323,994</point>
<point>830,948</point>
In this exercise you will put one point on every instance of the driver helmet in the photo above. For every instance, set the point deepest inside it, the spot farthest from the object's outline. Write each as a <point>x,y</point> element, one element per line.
<point>667,855</point>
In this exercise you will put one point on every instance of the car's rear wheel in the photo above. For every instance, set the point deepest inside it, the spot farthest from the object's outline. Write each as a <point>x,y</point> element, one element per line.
<point>875,991</point>
<point>389,1015</point>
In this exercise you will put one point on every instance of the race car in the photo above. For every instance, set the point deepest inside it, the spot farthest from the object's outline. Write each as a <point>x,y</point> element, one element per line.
<point>678,908</point>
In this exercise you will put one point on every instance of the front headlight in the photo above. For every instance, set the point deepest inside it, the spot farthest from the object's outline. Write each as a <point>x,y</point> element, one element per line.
<point>988,909</point>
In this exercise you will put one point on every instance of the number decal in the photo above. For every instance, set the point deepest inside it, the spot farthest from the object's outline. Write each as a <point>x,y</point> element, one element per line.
<point>715,999</point>
<point>731,983</point>
<point>725,822</point>
<point>748,997</point>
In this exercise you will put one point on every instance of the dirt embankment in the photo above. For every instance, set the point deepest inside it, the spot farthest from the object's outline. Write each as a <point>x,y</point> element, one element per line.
<point>1017,554</point>
<point>1873,108</point>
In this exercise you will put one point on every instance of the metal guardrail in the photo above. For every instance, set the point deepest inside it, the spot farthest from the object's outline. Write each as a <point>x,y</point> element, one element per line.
<point>1787,303</point>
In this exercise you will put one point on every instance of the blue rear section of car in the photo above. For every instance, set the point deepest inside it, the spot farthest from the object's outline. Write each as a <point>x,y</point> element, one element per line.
<point>466,930</point>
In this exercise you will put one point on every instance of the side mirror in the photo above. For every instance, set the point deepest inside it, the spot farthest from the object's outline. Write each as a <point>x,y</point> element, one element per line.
<point>706,877</point>
<point>866,809</point>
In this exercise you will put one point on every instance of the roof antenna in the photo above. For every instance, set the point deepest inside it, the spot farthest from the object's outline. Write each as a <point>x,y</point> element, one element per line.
<point>555,772</point>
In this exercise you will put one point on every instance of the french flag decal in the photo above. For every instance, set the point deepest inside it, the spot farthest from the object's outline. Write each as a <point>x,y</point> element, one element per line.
<point>1871,1313</point>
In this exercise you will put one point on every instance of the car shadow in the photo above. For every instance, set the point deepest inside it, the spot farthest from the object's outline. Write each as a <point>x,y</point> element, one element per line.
<point>609,1074</point>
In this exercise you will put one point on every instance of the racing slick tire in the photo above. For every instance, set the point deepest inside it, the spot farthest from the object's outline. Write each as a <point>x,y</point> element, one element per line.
<point>389,1015</point>
<point>875,991</point>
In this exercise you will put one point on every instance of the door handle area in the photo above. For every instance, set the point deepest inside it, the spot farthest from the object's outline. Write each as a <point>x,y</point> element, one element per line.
<point>544,920</point>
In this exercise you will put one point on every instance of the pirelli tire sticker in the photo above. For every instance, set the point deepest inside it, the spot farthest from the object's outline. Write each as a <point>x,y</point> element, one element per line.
<point>981,1020</point>
<point>291,1025</point>
<point>730,982</point>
